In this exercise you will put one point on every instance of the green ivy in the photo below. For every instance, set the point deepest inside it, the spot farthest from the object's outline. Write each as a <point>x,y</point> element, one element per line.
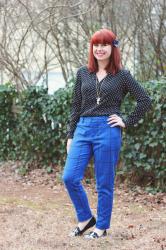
<point>40,136</point>
<point>33,130</point>
<point>142,156</point>
<point>7,120</point>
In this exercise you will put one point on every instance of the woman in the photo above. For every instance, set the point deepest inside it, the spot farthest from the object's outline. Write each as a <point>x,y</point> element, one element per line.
<point>95,129</point>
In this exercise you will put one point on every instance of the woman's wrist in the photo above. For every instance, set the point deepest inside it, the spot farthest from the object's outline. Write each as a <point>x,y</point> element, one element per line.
<point>124,123</point>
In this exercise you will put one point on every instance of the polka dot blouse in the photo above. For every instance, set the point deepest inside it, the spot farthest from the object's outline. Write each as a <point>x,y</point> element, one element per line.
<point>113,89</point>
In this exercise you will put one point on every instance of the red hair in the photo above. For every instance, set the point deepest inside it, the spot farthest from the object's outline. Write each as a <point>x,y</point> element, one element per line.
<point>104,36</point>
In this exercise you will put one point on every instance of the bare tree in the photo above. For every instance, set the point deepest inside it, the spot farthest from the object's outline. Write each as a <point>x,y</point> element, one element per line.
<point>150,37</point>
<point>38,36</point>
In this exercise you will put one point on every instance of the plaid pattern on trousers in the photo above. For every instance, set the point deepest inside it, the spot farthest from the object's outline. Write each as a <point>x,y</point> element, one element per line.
<point>93,137</point>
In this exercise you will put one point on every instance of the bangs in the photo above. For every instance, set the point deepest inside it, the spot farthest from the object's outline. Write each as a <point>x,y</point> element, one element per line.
<point>101,37</point>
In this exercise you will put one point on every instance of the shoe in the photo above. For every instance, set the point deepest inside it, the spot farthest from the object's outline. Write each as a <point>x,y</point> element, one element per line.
<point>78,232</point>
<point>94,235</point>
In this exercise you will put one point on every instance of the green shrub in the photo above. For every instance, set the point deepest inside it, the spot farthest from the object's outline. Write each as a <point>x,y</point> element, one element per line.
<point>40,136</point>
<point>36,133</point>
<point>7,120</point>
<point>142,156</point>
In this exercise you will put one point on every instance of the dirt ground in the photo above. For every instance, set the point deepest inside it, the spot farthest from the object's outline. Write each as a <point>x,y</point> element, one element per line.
<point>36,214</point>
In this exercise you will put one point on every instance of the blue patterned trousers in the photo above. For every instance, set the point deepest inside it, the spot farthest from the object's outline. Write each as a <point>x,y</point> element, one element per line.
<point>93,137</point>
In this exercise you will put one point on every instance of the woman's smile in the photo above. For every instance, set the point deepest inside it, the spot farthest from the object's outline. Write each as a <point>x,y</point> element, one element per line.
<point>100,54</point>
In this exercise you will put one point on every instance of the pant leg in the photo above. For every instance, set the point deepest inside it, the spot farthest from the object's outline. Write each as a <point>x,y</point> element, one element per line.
<point>106,152</point>
<point>76,162</point>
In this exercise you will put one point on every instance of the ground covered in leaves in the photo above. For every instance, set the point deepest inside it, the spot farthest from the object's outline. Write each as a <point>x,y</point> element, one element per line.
<point>36,214</point>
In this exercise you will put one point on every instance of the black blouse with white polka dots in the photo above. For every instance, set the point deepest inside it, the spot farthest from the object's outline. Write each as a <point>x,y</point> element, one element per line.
<point>113,89</point>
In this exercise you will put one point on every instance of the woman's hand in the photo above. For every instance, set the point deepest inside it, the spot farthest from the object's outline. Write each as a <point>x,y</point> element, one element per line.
<point>116,120</point>
<point>69,141</point>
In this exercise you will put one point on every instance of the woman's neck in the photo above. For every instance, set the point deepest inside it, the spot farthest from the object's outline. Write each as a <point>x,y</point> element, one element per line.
<point>102,65</point>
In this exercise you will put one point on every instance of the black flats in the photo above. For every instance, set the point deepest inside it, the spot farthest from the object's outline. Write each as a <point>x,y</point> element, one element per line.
<point>94,235</point>
<point>78,232</point>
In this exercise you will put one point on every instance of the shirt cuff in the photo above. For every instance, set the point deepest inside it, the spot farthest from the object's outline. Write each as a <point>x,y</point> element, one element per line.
<point>125,122</point>
<point>70,135</point>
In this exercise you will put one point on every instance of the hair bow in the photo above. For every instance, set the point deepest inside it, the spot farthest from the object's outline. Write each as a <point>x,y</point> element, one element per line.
<point>115,43</point>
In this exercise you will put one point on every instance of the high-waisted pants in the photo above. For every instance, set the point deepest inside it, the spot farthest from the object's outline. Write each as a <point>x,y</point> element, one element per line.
<point>93,137</point>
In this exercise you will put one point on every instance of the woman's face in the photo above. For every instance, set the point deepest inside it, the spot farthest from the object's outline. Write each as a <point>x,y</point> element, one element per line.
<point>102,51</point>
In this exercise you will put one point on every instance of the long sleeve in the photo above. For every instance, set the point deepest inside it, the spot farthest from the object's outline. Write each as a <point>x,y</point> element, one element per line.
<point>144,102</point>
<point>76,106</point>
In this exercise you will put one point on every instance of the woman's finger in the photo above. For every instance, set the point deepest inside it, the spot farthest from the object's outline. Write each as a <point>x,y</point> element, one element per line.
<point>115,124</point>
<point>113,117</point>
<point>114,120</point>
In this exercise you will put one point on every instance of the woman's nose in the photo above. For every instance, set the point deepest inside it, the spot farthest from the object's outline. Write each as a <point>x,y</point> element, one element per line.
<point>100,47</point>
